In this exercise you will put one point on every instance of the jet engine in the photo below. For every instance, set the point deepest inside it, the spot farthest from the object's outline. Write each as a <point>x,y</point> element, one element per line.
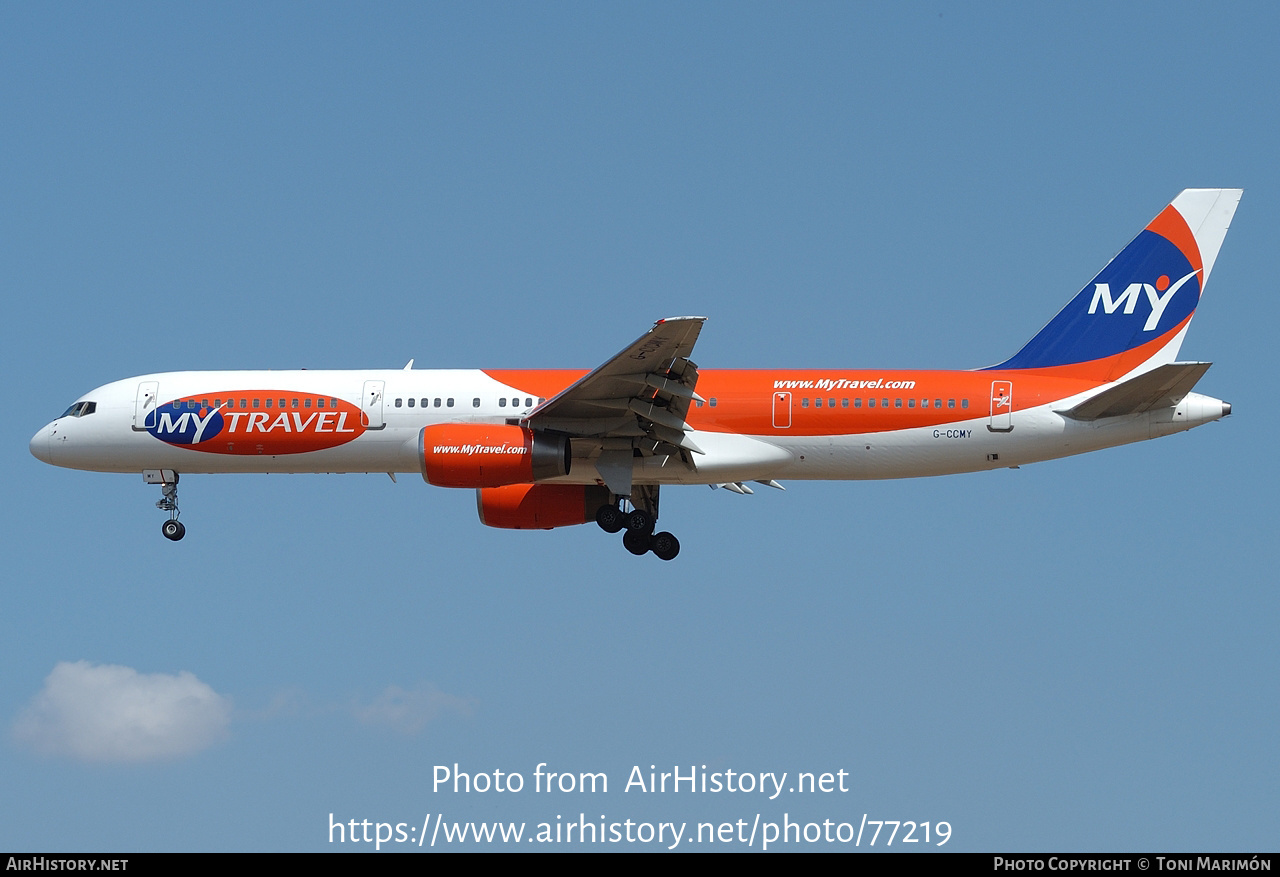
<point>490,455</point>
<point>540,506</point>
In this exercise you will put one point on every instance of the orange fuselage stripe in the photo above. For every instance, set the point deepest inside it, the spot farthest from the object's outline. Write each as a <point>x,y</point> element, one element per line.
<point>745,400</point>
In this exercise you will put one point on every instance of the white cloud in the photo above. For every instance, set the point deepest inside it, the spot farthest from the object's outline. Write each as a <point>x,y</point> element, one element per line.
<point>409,711</point>
<point>116,714</point>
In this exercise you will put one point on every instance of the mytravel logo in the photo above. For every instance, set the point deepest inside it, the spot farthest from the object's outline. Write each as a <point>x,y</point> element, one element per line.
<point>256,422</point>
<point>1158,296</point>
<point>174,423</point>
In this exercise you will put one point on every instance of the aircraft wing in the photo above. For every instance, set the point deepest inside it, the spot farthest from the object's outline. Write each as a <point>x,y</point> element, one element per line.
<point>1162,387</point>
<point>643,392</point>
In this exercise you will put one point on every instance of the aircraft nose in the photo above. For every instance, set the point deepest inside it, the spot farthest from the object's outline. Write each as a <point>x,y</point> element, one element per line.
<point>40,446</point>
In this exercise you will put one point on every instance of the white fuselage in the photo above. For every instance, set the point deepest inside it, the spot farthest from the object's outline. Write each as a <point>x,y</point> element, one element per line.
<point>374,429</point>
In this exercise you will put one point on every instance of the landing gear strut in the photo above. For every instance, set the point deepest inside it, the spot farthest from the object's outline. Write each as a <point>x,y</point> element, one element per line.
<point>637,525</point>
<point>172,529</point>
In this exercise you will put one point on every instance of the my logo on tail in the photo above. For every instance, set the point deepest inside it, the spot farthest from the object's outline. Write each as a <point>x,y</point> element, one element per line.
<point>1158,295</point>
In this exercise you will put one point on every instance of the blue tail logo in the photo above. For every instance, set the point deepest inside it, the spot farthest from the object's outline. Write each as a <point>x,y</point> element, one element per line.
<point>1099,324</point>
<point>1158,296</point>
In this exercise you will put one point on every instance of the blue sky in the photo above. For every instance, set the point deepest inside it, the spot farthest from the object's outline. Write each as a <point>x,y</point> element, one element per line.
<point>1077,655</point>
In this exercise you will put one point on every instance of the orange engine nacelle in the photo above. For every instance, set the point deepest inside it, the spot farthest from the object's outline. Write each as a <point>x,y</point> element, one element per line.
<point>490,455</point>
<point>539,506</point>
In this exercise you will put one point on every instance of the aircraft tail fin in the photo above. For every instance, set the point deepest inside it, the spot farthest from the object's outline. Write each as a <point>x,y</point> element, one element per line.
<point>1134,314</point>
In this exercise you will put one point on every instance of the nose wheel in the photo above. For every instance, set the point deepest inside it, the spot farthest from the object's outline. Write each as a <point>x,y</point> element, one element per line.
<point>172,529</point>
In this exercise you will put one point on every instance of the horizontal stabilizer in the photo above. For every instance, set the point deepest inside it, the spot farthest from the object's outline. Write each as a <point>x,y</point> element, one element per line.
<point>1162,387</point>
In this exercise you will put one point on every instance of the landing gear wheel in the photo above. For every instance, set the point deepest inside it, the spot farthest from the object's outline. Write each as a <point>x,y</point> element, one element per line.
<point>168,481</point>
<point>610,518</point>
<point>636,541</point>
<point>640,521</point>
<point>665,546</point>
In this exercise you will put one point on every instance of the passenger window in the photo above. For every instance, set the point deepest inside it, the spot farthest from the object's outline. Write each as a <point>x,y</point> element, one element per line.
<point>804,403</point>
<point>857,403</point>
<point>244,404</point>
<point>306,403</point>
<point>528,402</point>
<point>911,403</point>
<point>475,403</point>
<point>964,403</point>
<point>817,403</point>
<point>257,403</point>
<point>502,401</point>
<point>697,402</point>
<point>713,401</point>
<point>884,403</point>
<point>295,403</point>
<point>871,403</point>
<point>449,402</point>
<point>399,402</point>
<point>831,403</point>
<point>951,403</point>
<point>844,403</point>
<point>937,403</point>
<point>411,401</point>
<point>897,403</point>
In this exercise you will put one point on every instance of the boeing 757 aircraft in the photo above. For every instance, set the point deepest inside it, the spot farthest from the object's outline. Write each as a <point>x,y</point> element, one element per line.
<point>546,449</point>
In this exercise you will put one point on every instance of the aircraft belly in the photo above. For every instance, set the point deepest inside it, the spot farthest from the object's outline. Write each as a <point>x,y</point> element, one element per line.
<point>908,453</point>
<point>966,446</point>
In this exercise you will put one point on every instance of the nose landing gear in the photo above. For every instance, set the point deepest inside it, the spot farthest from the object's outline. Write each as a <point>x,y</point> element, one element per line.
<point>172,529</point>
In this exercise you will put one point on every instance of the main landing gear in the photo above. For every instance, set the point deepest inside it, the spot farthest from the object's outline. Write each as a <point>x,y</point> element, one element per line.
<point>637,530</point>
<point>172,529</point>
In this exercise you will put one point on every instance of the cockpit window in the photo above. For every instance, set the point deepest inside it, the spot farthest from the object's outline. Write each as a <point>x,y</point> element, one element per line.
<point>81,409</point>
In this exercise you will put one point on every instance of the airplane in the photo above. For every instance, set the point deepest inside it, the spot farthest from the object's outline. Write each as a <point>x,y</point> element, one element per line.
<point>546,449</point>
